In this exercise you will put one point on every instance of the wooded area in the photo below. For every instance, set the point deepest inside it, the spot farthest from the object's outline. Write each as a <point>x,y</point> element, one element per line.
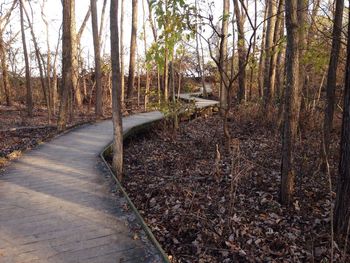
<point>278,148</point>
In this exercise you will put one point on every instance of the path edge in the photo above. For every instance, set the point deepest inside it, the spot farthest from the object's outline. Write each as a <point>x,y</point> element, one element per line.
<point>147,230</point>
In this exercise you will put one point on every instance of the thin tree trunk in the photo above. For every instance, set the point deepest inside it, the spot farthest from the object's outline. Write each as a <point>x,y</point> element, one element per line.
<point>29,95</point>
<point>240,17</point>
<point>138,80</point>
<point>280,68</point>
<point>302,17</point>
<point>48,60</point>
<point>117,162</point>
<point>270,29</point>
<point>166,61</point>
<point>199,61</point>
<point>5,77</point>
<point>145,46</point>
<point>98,74</point>
<point>252,67</point>
<point>291,107</point>
<point>54,76</point>
<point>54,86</point>
<point>155,38</point>
<point>274,52</point>
<point>224,56</point>
<point>122,50</point>
<point>133,44</point>
<point>4,21</point>
<point>83,25</point>
<point>262,57</point>
<point>179,83</point>
<point>77,60</point>
<point>41,73</point>
<point>100,30</point>
<point>332,73</point>
<point>166,75</point>
<point>75,54</point>
<point>158,86</point>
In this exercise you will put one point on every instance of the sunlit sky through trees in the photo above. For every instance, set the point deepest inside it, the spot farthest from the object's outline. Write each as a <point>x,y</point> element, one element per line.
<point>53,12</point>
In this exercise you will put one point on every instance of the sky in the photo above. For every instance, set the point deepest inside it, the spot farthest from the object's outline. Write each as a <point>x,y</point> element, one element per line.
<point>53,12</point>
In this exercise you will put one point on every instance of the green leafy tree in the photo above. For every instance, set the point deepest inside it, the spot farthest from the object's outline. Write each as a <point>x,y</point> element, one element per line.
<point>171,20</point>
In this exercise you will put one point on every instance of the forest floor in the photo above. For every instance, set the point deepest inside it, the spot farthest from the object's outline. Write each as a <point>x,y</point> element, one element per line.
<point>205,203</point>
<point>19,133</point>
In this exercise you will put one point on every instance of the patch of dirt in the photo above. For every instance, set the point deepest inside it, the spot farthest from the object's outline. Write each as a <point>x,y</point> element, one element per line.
<point>205,203</point>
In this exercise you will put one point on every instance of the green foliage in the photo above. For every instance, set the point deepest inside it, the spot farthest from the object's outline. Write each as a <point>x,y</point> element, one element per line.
<point>317,57</point>
<point>171,19</point>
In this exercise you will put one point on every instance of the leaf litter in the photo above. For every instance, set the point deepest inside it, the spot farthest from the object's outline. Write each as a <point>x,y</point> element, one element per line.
<point>205,203</point>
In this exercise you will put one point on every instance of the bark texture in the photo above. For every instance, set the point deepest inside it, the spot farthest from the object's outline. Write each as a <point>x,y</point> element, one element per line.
<point>116,92</point>
<point>342,202</point>
<point>67,57</point>
<point>290,103</point>
<point>332,72</point>
<point>98,74</point>
<point>29,95</point>
<point>133,43</point>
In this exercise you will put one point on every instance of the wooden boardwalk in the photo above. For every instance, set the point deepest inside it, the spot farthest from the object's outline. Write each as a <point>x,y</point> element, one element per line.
<point>57,203</point>
<point>199,102</point>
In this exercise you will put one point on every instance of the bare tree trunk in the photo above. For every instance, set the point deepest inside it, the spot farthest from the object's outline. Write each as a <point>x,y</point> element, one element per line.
<point>67,58</point>
<point>133,44</point>
<point>83,25</point>
<point>41,71</point>
<point>270,29</point>
<point>262,57</point>
<point>240,17</point>
<point>280,65</point>
<point>110,87</point>
<point>282,85</point>
<point>75,54</point>
<point>166,75</point>
<point>179,82</point>
<point>155,37</point>
<point>332,73</point>
<point>138,80</point>
<point>274,52</point>
<point>122,49</point>
<point>29,96</point>
<point>291,107</point>
<point>5,77</point>
<point>199,61</point>
<point>252,67</point>
<point>224,55</point>
<point>4,21</point>
<point>158,86</point>
<point>302,17</point>
<point>100,31</point>
<point>54,86</point>
<point>98,74</point>
<point>48,60</point>
<point>145,46</point>
<point>166,63</point>
<point>342,202</point>
<point>117,162</point>
<point>309,38</point>
<point>54,76</point>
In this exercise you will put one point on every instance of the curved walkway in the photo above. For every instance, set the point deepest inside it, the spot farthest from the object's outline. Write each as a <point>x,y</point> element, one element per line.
<point>57,203</point>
